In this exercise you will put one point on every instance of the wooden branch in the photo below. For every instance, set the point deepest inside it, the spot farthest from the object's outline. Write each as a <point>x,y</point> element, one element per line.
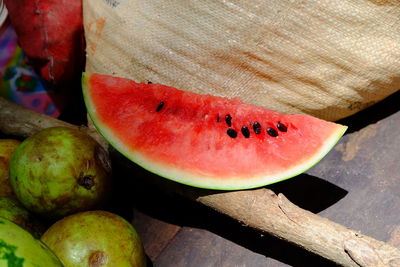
<point>261,209</point>
<point>22,122</point>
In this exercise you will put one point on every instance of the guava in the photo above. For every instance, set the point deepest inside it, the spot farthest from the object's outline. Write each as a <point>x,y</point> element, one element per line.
<point>18,248</point>
<point>95,238</point>
<point>7,147</point>
<point>12,210</point>
<point>59,171</point>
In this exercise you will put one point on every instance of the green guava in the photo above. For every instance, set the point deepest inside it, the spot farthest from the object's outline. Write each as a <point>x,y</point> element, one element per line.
<point>18,248</point>
<point>7,147</point>
<point>95,238</point>
<point>12,210</point>
<point>59,171</point>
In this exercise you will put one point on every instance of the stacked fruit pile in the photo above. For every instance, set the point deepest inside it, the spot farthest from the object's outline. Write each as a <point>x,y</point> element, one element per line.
<point>54,187</point>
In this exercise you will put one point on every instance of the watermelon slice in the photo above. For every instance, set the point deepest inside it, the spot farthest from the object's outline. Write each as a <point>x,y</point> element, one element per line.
<point>202,140</point>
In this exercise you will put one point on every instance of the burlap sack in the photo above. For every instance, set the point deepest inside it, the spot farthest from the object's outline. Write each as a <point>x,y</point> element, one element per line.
<point>327,58</point>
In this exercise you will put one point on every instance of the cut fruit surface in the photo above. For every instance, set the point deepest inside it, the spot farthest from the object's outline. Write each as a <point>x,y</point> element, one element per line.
<point>202,140</point>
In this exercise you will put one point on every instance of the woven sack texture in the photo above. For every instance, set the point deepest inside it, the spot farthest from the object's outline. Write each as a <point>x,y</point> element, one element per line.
<point>326,58</point>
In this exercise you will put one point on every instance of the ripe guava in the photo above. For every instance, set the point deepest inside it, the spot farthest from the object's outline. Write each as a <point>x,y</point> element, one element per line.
<point>7,147</point>
<point>59,171</point>
<point>95,238</point>
<point>12,210</point>
<point>18,248</point>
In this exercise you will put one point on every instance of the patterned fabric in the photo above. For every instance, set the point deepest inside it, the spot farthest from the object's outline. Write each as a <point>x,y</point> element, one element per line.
<point>19,82</point>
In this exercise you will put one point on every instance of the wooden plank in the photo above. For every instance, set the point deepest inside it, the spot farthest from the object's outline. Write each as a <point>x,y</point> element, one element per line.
<point>199,247</point>
<point>155,234</point>
<point>366,164</point>
<point>211,239</point>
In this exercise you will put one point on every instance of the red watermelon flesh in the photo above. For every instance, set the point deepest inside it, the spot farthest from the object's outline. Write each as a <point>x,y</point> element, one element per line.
<point>203,140</point>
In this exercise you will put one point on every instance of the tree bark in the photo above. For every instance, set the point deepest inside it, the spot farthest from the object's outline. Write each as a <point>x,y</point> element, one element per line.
<point>22,122</point>
<point>261,209</point>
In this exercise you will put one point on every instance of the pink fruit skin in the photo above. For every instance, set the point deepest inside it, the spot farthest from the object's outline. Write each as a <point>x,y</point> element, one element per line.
<point>51,34</point>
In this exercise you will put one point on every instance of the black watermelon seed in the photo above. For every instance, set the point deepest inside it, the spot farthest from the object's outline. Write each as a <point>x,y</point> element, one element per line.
<point>232,133</point>
<point>281,127</point>
<point>272,132</point>
<point>218,119</point>
<point>245,131</point>
<point>228,119</point>
<point>257,127</point>
<point>160,106</point>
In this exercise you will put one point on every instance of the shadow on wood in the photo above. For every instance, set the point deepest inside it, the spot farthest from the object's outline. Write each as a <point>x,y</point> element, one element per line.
<point>372,114</point>
<point>137,189</point>
<point>310,192</point>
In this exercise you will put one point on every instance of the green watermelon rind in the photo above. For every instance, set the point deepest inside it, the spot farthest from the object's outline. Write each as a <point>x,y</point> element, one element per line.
<point>187,178</point>
<point>18,247</point>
